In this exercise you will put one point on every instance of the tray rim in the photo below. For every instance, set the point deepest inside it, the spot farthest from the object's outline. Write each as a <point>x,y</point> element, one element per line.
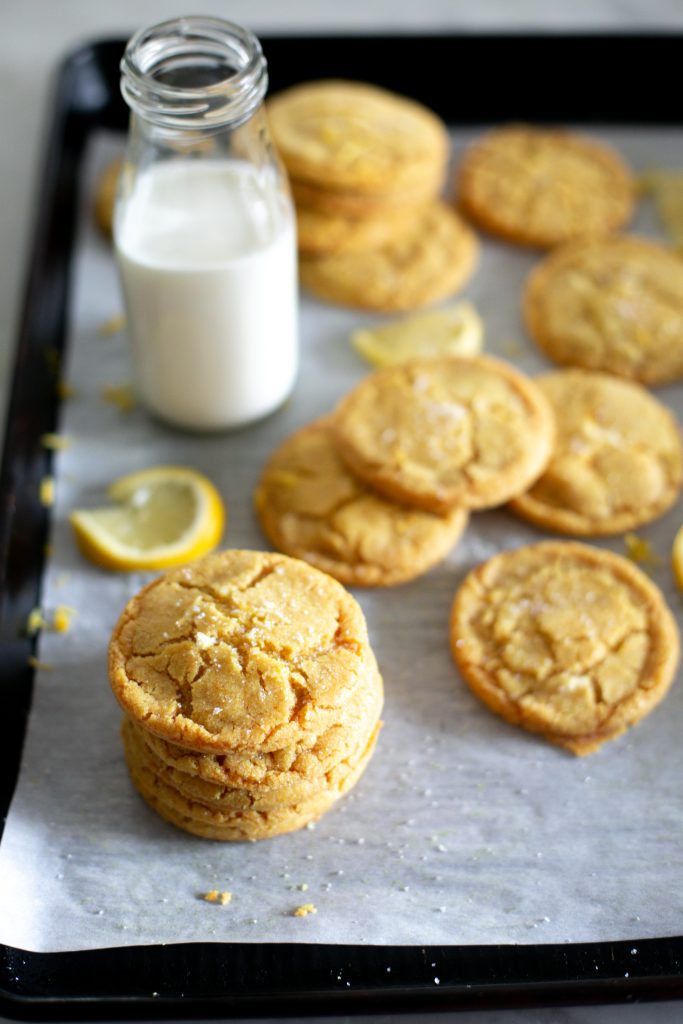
<point>561,971</point>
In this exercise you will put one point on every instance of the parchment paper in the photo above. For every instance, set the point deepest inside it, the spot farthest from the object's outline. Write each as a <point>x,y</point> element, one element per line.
<point>462,830</point>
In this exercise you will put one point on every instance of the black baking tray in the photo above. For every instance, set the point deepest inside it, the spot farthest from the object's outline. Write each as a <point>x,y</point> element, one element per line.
<point>468,79</point>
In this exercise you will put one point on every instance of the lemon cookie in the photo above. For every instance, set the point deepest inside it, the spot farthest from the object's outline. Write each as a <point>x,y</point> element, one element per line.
<point>308,761</point>
<point>441,433</point>
<point>565,640</point>
<point>240,649</point>
<point>432,259</point>
<point>390,201</point>
<point>105,196</point>
<point>319,233</point>
<point>226,799</point>
<point>355,136</point>
<point>617,461</point>
<point>231,824</point>
<point>613,304</point>
<point>539,187</point>
<point>311,506</point>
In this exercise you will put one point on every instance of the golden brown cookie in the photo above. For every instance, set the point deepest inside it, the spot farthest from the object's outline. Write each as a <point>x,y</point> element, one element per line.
<point>432,259</point>
<point>226,799</point>
<point>565,640</point>
<point>307,762</point>
<point>441,433</point>
<point>539,187</point>
<point>229,824</point>
<point>243,649</point>
<point>312,507</point>
<point>105,196</point>
<point>319,233</point>
<point>353,136</point>
<point>612,304</point>
<point>617,461</point>
<point>390,201</point>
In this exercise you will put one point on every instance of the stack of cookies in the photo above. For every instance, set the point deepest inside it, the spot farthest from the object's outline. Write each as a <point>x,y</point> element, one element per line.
<point>366,168</point>
<point>251,694</point>
<point>380,491</point>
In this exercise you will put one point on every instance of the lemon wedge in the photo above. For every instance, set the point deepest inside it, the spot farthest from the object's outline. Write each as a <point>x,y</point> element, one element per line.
<point>162,516</point>
<point>455,330</point>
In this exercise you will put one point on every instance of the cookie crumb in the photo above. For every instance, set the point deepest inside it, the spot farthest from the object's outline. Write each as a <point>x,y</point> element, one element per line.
<point>215,896</point>
<point>304,910</point>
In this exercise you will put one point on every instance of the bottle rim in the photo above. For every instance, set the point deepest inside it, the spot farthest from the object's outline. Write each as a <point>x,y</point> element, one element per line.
<point>187,43</point>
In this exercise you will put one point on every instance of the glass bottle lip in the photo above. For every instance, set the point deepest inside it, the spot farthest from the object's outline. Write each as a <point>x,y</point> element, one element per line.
<point>183,46</point>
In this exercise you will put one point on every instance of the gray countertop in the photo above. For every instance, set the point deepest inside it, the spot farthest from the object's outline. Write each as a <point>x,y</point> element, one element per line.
<point>37,33</point>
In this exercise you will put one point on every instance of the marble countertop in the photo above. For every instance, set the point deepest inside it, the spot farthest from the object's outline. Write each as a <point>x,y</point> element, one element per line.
<point>36,35</point>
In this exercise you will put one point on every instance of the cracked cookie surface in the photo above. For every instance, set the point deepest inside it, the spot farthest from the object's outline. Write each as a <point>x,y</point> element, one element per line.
<point>241,649</point>
<point>306,762</point>
<point>541,188</point>
<point>440,433</point>
<point>565,640</point>
<point>311,506</point>
<point>617,461</point>
<point>613,304</point>
<point>432,258</point>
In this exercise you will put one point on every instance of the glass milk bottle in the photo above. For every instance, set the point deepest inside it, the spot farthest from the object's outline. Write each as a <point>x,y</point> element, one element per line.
<point>204,229</point>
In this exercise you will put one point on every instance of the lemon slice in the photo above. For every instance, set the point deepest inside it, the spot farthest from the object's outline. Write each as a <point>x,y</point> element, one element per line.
<point>677,557</point>
<point>456,330</point>
<point>163,516</point>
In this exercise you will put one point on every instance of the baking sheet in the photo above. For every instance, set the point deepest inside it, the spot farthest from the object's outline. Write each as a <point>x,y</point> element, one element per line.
<point>462,830</point>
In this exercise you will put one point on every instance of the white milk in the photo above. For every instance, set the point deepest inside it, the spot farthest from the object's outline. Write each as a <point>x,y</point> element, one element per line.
<point>207,258</point>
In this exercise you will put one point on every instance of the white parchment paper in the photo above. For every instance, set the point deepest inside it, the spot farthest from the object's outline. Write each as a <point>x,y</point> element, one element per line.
<point>462,830</point>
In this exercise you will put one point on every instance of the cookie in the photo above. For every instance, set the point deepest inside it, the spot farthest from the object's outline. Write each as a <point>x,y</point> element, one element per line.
<point>432,259</point>
<point>617,461</point>
<point>227,799</point>
<point>540,188</point>
<point>353,136</point>
<point>243,649</point>
<point>105,196</point>
<point>307,762</point>
<point>613,304</point>
<point>319,233</point>
<point>337,202</point>
<point>236,825</point>
<point>310,506</point>
<point>565,640</point>
<point>446,433</point>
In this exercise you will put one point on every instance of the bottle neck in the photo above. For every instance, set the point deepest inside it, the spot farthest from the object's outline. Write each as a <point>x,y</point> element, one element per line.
<point>194,74</point>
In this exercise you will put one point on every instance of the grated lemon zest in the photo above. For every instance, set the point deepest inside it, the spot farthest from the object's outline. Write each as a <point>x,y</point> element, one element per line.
<point>120,395</point>
<point>114,325</point>
<point>37,664</point>
<point>55,442</point>
<point>47,491</point>
<point>640,550</point>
